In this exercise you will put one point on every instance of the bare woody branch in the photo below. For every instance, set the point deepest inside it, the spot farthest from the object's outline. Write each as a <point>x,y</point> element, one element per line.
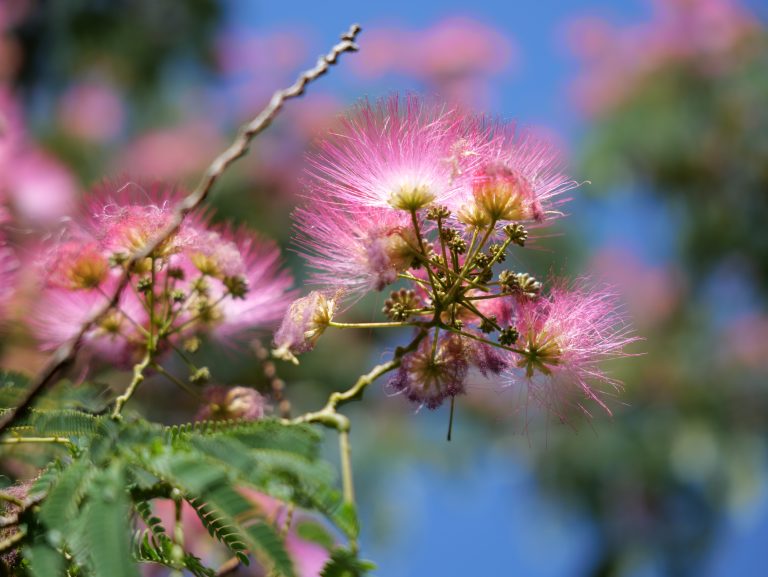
<point>64,356</point>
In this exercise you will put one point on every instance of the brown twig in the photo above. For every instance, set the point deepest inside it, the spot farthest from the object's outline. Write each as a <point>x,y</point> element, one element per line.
<point>64,356</point>
<point>228,567</point>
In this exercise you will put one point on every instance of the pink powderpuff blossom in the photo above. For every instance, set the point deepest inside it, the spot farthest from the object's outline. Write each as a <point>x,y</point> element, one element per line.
<point>202,279</point>
<point>267,285</point>
<point>124,218</point>
<point>359,249</point>
<point>8,271</point>
<point>563,338</point>
<point>60,313</point>
<point>428,379</point>
<point>396,153</point>
<point>520,177</point>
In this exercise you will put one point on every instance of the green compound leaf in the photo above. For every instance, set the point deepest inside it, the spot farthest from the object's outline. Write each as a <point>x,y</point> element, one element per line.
<point>345,563</point>
<point>106,525</point>
<point>44,561</point>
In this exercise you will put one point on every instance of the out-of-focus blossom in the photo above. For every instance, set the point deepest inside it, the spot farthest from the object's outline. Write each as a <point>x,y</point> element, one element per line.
<point>201,279</point>
<point>651,293</point>
<point>92,111</point>
<point>225,403</point>
<point>171,153</point>
<point>457,57</point>
<point>39,187</point>
<point>308,557</point>
<point>745,342</point>
<point>707,35</point>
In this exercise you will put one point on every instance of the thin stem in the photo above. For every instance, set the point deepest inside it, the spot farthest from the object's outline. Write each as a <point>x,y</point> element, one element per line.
<point>19,440</point>
<point>450,418</point>
<point>167,328</point>
<point>345,451</point>
<point>381,325</point>
<point>468,263</point>
<point>422,248</point>
<point>176,380</point>
<point>482,340</point>
<point>328,416</point>
<point>468,305</point>
<point>151,303</point>
<point>495,258</point>
<point>177,551</point>
<point>138,378</point>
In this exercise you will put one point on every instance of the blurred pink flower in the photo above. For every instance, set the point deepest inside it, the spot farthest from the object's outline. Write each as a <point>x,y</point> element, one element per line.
<point>8,273</point>
<point>745,342</point>
<point>91,111</point>
<point>308,557</point>
<point>456,57</point>
<point>651,293</point>
<point>41,189</point>
<point>706,35</point>
<point>171,153</point>
<point>206,279</point>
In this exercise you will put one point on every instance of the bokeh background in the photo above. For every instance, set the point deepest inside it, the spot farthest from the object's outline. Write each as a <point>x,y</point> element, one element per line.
<point>662,107</point>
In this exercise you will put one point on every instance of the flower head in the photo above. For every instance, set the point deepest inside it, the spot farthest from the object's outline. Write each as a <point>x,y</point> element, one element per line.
<point>563,338</point>
<point>428,379</point>
<point>76,265</point>
<point>201,279</point>
<point>519,179</point>
<point>395,153</point>
<point>8,269</point>
<point>357,248</point>
<point>61,312</point>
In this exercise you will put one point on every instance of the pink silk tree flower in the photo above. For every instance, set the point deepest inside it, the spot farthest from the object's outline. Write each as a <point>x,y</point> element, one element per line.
<point>125,217</point>
<point>201,280</point>
<point>395,153</point>
<point>260,297</point>
<point>359,249</point>
<point>563,338</point>
<point>8,269</point>
<point>117,338</point>
<point>520,177</point>
<point>428,379</point>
